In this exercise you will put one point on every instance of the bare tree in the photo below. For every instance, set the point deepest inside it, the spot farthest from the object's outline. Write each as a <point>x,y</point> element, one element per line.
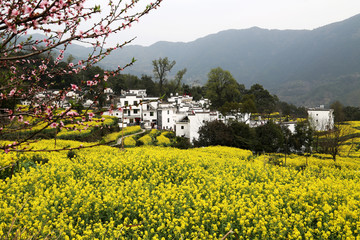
<point>178,78</point>
<point>161,67</point>
<point>331,141</point>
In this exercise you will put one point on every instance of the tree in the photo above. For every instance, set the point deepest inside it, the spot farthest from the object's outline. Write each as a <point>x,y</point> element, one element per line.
<point>290,110</point>
<point>339,115</point>
<point>177,80</point>
<point>243,136</point>
<point>230,108</point>
<point>269,137</point>
<point>264,101</point>
<point>25,62</point>
<point>351,113</point>
<point>123,82</point>
<point>286,147</point>
<point>197,92</point>
<point>331,141</point>
<point>234,134</point>
<point>221,87</point>
<point>161,67</point>
<point>248,103</point>
<point>150,86</point>
<point>303,137</point>
<point>214,133</point>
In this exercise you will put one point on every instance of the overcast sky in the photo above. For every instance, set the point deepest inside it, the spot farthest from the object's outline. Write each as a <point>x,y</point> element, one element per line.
<point>187,20</point>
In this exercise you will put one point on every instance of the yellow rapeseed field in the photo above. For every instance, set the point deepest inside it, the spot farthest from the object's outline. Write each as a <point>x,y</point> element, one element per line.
<point>126,131</point>
<point>164,193</point>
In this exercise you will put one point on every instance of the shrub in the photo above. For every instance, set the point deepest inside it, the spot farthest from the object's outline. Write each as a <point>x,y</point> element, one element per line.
<point>38,159</point>
<point>168,134</point>
<point>182,143</point>
<point>71,154</point>
<point>163,141</point>
<point>154,132</point>
<point>129,142</point>
<point>276,161</point>
<point>131,130</point>
<point>112,137</point>
<point>146,139</point>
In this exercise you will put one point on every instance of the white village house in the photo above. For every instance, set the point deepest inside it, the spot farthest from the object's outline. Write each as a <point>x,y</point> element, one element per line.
<point>190,124</point>
<point>129,109</point>
<point>321,119</point>
<point>149,112</point>
<point>166,116</point>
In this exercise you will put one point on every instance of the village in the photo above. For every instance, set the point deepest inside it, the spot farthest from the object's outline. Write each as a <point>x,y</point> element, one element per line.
<point>180,113</point>
<point>184,116</point>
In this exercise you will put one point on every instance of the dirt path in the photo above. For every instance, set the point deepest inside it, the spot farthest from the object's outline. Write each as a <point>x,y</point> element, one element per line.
<point>118,142</point>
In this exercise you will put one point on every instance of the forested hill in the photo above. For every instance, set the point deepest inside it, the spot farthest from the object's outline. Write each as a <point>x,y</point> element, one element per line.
<point>300,66</point>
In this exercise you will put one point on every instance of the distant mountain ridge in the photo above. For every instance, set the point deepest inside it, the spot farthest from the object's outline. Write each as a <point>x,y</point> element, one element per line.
<point>305,67</point>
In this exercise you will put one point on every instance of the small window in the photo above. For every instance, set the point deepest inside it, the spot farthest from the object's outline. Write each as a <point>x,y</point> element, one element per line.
<point>168,112</point>
<point>135,102</point>
<point>151,114</point>
<point>182,127</point>
<point>168,120</point>
<point>145,115</point>
<point>126,103</point>
<point>135,111</point>
<point>117,114</point>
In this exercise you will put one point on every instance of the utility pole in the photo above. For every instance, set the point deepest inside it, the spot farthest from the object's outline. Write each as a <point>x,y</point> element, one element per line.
<point>122,129</point>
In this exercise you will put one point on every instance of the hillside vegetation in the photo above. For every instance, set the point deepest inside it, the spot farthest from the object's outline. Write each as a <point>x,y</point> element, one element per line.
<point>303,67</point>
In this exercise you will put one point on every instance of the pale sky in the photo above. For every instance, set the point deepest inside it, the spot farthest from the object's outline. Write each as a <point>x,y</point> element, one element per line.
<point>187,20</point>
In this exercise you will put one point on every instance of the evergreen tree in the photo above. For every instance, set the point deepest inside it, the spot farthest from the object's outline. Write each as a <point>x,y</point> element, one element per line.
<point>221,87</point>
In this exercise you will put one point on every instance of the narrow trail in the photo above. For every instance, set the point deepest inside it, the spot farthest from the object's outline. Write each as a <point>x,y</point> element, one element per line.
<point>118,142</point>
